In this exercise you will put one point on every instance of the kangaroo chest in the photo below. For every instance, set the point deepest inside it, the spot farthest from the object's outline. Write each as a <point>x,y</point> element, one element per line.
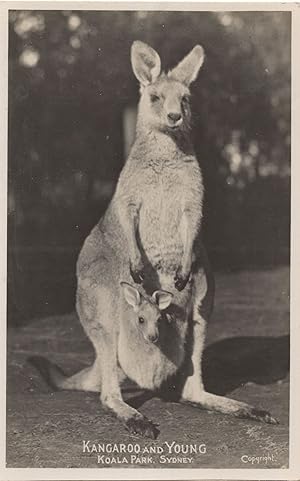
<point>165,180</point>
<point>166,191</point>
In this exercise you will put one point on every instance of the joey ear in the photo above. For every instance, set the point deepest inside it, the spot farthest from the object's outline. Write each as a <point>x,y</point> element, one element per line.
<point>162,298</point>
<point>187,70</point>
<point>131,294</point>
<point>145,63</point>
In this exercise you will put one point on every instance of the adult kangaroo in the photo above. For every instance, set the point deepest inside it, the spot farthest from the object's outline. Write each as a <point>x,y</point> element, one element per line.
<point>151,233</point>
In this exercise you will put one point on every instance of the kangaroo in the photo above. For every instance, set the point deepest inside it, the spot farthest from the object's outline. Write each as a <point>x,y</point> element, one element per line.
<point>151,233</point>
<point>158,199</point>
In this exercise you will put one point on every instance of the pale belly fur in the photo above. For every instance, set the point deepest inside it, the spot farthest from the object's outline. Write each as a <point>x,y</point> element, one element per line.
<point>159,233</point>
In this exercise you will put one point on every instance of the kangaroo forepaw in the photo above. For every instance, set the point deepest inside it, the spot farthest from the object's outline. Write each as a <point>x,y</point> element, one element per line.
<point>181,279</point>
<point>142,426</point>
<point>137,275</point>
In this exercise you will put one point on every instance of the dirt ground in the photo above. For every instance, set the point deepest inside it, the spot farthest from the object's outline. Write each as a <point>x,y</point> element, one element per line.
<point>246,358</point>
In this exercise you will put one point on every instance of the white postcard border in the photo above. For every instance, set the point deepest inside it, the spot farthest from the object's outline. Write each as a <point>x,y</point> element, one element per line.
<point>291,473</point>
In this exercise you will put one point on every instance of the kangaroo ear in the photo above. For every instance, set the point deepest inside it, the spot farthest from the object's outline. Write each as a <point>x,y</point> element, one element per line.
<point>187,70</point>
<point>131,294</point>
<point>145,63</point>
<point>162,298</point>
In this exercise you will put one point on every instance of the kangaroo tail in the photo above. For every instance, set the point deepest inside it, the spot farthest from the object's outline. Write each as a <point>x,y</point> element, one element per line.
<point>51,373</point>
<point>87,379</point>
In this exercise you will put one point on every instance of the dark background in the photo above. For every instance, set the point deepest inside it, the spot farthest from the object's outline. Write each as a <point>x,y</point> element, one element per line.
<point>70,82</point>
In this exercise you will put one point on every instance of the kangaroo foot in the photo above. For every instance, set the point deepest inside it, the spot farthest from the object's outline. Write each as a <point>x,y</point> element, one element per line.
<point>247,412</point>
<point>225,405</point>
<point>181,279</point>
<point>257,415</point>
<point>133,420</point>
<point>142,426</point>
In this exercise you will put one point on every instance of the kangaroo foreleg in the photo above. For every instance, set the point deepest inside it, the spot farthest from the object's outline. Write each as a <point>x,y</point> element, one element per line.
<point>188,231</point>
<point>129,217</point>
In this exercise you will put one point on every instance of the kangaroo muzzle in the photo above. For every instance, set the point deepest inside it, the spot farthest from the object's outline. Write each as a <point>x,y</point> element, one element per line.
<point>174,119</point>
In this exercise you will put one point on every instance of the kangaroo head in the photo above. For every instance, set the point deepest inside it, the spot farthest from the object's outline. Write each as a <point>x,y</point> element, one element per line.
<point>164,103</point>
<point>147,310</point>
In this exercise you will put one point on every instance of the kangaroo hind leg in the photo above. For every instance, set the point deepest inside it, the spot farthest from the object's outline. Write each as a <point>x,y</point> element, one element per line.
<point>239,409</point>
<point>111,396</point>
<point>193,390</point>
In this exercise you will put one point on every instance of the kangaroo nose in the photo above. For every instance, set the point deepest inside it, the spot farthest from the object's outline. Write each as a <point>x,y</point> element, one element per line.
<point>153,338</point>
<point>174,116</point>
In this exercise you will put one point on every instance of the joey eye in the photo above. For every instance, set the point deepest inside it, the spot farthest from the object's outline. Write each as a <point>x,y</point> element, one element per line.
<point>185,99</point>
<point>141,320</point>
<point>154,98</point>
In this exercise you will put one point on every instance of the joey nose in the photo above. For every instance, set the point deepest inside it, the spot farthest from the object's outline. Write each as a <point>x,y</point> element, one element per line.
<point>174,117</point>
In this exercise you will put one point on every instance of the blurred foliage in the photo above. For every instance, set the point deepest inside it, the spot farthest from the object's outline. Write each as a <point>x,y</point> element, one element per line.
<point>70,80</point>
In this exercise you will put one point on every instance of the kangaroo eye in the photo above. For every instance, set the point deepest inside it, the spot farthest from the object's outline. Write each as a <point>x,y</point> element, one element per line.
<point>154,98</point>
<point>141,320</point>
<point>185,99</point>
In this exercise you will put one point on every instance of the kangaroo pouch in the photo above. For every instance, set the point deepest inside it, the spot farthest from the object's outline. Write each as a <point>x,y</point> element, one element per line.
<point>150,364</point>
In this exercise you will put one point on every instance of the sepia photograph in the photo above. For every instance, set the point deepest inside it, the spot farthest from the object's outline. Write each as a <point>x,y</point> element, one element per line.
<point>148,238</point>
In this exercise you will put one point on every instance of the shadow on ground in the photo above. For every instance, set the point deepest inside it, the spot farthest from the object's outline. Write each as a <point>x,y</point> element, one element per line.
<point>231,363</point>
